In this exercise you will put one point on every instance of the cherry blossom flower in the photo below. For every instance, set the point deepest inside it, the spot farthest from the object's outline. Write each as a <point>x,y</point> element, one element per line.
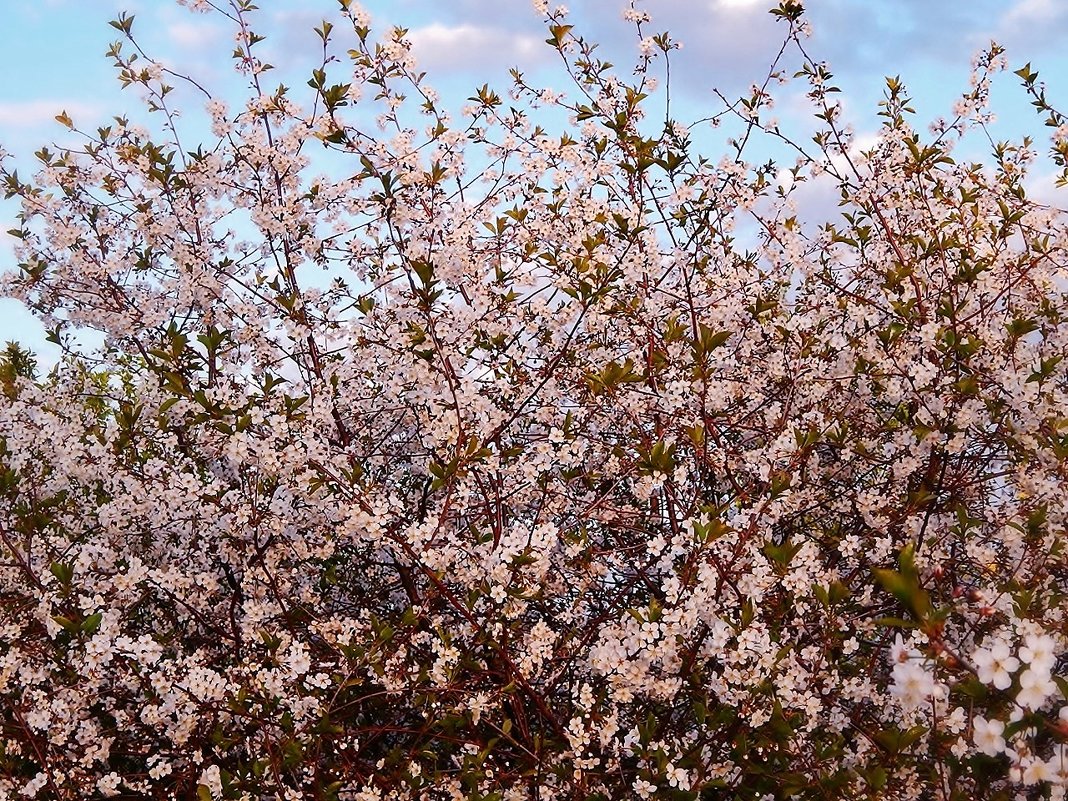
<point>532,442</point>
<point>1035,687</point>
<point>988,735</point>
<point>1038,651</point>
<point>995,664</point>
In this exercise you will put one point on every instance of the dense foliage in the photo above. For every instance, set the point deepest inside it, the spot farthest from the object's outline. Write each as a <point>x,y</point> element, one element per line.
<point>596,469</point>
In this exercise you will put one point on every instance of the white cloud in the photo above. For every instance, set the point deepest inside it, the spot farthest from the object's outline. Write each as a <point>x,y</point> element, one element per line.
<point>192,36</point>
<point>469,45</point>
<point>740,5</point>
<point>1042,188</point>
<point>1033,11</point>
<point>33,113</point>
<point>1030,25</point>
<point>864,140</point>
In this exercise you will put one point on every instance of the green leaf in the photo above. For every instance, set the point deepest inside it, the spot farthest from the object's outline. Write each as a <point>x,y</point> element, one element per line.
<point>63,573</point>
<point>894,740</point>
<point>905,584</point>
<point>558,32</point>
<point>789,10</point>
<point>1062,685</point>
<point>66,623</point>
<point>877,777</point>
<point>124,23</point>
<point>1025,73</point>
<point>783,553</point>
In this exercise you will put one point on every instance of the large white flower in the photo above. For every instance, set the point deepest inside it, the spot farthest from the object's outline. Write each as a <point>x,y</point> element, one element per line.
<point>643,788</point>
<point>996,664</point>
<point>1058,764</point>
<point>677,777</point>
<point>1037,652</point>
<point>913,683</point>
<point>1035,687</point>
<point>988,735</point>
<point>1037,770</point>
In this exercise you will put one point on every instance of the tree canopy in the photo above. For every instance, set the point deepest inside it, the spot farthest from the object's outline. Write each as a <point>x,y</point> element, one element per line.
<point>532,453</point>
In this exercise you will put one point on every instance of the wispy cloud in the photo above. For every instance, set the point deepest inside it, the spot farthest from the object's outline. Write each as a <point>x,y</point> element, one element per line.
<point>1042,188</point>
<point>1033,24</point>
<point>1032,11</point>
<point>193,36</point>
<point>34,113</point>
<point>726,43</point>
<point>741,5</point>
<point>469,45</point>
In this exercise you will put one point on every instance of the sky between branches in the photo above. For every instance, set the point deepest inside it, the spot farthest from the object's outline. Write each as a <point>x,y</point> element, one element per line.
<point>53,59</point>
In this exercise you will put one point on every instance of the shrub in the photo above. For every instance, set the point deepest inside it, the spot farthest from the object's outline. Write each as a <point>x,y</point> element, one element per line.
<point>595,469</point>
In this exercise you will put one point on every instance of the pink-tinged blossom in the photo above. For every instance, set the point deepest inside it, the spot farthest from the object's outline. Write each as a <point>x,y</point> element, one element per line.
<point>913,683</point>
<point>995,664</point>
<point>535,426</point>
<point>1036,686</point>
<point>643,788</point>
<point>211,778</point>
<point>988,735</point>
<point>1036,770</point>
<point>1039,652</point>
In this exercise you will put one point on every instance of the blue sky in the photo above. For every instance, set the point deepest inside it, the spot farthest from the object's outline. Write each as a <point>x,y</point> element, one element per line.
<point>53,58</point>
